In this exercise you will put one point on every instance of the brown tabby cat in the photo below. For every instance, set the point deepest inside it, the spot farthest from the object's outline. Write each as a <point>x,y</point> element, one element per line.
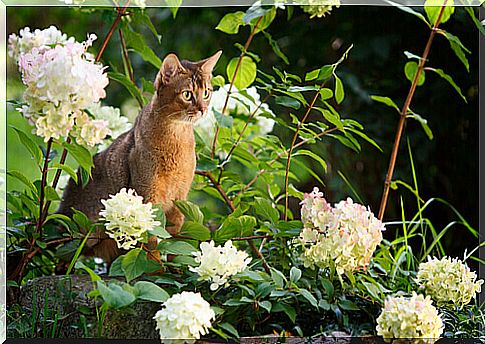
<point>157,156</point>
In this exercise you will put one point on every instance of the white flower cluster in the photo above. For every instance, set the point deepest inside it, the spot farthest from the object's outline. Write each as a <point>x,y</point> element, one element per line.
<point>319,8</point>
<point>345,235</point>
<point>185,316</point>
<point>116,123</point>
<point>62,80</point>
<point>406,318</point>
<point>448,280</point>
<point>127,218</point>
<point>242,103</point>
<point>218,263</point>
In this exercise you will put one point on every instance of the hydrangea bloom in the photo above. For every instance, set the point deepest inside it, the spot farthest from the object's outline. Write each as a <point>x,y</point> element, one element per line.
<point>448,280</point>
<point>62,80</point>
<point>413,317</point>
<point>185,316</point>
<point>345,235</point>
<point>242,104</point>
<point>116,123</point>
<point>90,132</point>
<point>218,263</point>
<point>127,218</point>
<point>319,8</point>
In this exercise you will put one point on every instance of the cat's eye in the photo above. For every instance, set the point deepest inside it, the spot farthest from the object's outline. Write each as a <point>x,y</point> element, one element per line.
<point>187,95</point>
<point>207,93</point>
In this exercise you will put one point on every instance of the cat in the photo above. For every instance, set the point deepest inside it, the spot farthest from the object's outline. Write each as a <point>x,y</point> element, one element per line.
<point>156,157</point>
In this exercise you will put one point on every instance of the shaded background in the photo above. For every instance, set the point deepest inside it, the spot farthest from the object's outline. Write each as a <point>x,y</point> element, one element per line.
<point>446,167</point>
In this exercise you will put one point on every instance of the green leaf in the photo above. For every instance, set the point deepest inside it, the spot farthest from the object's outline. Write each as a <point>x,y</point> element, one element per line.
<point>130,87</point>
<point>246,73</point>
<point>67,169</point>
<point>325,72</point>
<point>218,80</point>
<point>268,18</point>
<point>386,101</point>
<point>313,156</point>
<point>234,227</point>
<point>67,250</point>
<point>160,231</point>
<point>328,286</point>
<point>114,295</point>
<point>410,70</point>
<point>150,292</point>
<point>81,155</point>
<point>51,194</point>
<point>143,18</point>
<point>31,146</point>
<point>283,307</point>
<point>295,274</point>
<point>471,12</point>
<point>81,219</point>
<point>450,80</point>
<point>410,11</point>
<point>348,305</point>
<point>223,121</point>
<point>134,263</point>
<point>458,48</point>
<point>326,93</point>
<point>266,305</point>
<point>312,75</point>
<point>278,277</point>
<point>323,304</point>
<point>115,269</point>
<point>196,231</point>
<point>264,208</point>
<point>135,41</point>
<point>26,181</point>
<point>433,8</point>
<point>339,90</point>
<point>190,210</point>
<point>423,122</point>
<point>92,274</point>
<point>231,22</point>
<point>307,295</point>
<point>174,6</point>
<point>276,48</point>
<point>288,102</point>
<point>176,247</point>
<point>230,329</point>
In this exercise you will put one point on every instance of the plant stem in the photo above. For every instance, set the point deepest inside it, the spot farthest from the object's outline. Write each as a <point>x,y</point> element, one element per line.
<point>43,183</point>
<point>125,56</point>
<point>404,112</point>
<point>288,162</point>
<point>239,62</point>
<point>228,201</point>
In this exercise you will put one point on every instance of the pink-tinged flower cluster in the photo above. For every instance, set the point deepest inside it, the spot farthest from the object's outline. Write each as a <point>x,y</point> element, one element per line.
<point>344,236</point>
<point>62,80</point>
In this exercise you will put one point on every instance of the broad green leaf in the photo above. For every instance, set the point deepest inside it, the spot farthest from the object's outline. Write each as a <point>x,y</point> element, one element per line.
<point>326,93</point>
<point>268,18</point>
<point>348,305</point>
<point>67,250</point>
<point>266,305</point>
<point>323,304</point>
<point>31,146</point>
<point>276,48</point>
<point>234,227</point>
<point>230,329</point>
<point>135,41</point>
<point>114,295</point>
<point>325,72</point>
<point>26,181</point>
<point>134,91</point>
<point>115,269</point>
<point>433,8</point>
<point>288,102</point>
<point>51,193</point>
<point>174,6</point>
<point>328,286</point>
<point>177,247</point>
<point>339,90</point>
<point>312,75</point>
<point>450,80</point>
<point>190,210</point>
<point>150,292</point>
<point>81,155</point>
<point>223,121</point>
<point>246,73</point>
<point>307,295</point>
<point>134,263</point>
<point>423,122</point>
<point>278,277</point>
<point>264,208</point>
<point>231,22</point>
<point>458,48</point>
<point>410,70</point>
<point>218,81</point>
<point>386,101</point>
<point>295,274</point>
<point>196,231</point>
<point>67,169</point>
<point>283,307</point>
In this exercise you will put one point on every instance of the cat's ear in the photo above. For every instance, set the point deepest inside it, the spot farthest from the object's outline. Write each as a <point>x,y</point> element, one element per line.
<point>170,67</point>
<point>208,64</point>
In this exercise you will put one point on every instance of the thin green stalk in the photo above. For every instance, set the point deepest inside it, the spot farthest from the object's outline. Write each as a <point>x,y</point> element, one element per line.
<point>78,252</point>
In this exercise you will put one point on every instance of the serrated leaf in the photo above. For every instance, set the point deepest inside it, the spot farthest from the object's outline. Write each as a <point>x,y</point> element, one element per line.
<point>231,22</point>
<point>31,146</point>
<point>410,70</point>
<point>134,263</point>
<point>150,292</point>
<point>450,80</point>
<point>246,73</point>
<point>190,210</point>
<point>386,101</point>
